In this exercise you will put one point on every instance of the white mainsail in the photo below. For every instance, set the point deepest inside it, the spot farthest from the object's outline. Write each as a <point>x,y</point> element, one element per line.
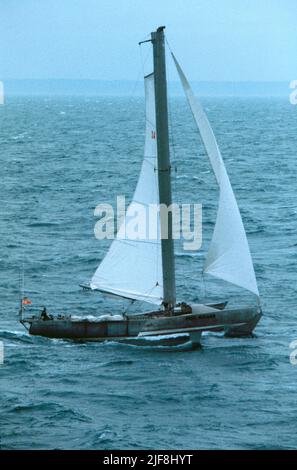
<point>229,256</point>
<point>132,267</point>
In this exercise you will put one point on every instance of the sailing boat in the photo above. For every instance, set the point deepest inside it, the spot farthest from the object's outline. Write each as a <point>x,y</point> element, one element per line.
<point>143,270</point>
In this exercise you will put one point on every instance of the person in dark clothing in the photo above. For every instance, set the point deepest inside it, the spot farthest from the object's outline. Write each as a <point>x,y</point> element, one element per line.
<point>44,315</point>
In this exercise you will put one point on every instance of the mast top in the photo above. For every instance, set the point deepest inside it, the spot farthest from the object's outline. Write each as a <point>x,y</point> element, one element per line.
<point>159,30</point>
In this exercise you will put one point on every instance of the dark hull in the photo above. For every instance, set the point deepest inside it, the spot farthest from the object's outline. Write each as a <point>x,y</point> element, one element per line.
<point>236,322</point>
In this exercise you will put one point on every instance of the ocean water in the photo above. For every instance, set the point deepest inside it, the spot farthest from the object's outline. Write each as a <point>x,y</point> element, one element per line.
<point>60,157</point>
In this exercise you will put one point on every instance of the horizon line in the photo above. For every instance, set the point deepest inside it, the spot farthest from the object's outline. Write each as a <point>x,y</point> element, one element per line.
<point>134,81</point>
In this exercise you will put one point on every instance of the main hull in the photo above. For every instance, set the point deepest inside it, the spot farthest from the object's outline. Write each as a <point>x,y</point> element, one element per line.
<point>234,322</point>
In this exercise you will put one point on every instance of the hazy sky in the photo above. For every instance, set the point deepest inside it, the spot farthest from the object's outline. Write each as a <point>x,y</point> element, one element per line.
<point>97,39</point>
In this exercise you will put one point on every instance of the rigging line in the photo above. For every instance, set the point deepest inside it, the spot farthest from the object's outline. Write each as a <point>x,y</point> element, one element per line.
<point>137,240</point>
<point>128,306</point>
<point>20,284</point>
<point>140,72</point>
<point>203,286</point>
<point>23,277</point>
<point>156,181</point>
<point>22,287</point>
<point>158,245</point>
<point>167,42</point>
<point>173,145</point>
<point>147,294</point>
<point>137,81</point>
<point>143,59</point>
<point>175,179</point>
<point>174,153</point>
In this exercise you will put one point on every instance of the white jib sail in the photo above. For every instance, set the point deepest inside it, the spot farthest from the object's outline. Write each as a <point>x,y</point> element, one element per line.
<point>229,255</point>
<point>132,267</point>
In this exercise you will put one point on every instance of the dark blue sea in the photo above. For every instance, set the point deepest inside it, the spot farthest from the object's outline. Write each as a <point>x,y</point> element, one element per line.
<point>60,157</point>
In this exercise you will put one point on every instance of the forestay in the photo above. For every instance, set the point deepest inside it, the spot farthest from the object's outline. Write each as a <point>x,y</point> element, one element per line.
<point>132,267</point>
<point>229,256</point>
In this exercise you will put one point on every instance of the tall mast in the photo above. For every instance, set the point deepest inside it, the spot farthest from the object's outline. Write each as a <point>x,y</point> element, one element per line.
<point>164,177</point>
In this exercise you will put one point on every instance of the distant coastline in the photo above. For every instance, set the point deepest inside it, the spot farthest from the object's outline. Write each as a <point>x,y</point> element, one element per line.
<point>15,87</point>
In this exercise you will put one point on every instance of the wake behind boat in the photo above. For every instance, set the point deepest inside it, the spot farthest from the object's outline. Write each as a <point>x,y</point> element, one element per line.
<point>144,270</point>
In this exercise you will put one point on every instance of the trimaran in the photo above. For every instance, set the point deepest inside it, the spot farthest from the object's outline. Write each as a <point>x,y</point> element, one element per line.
<point>137,270</point>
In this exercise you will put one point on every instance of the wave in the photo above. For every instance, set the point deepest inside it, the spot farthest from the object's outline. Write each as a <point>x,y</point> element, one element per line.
<point>16,336</point>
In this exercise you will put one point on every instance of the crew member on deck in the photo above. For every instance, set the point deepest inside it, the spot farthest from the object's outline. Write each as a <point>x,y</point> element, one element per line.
<point>44,315</point>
